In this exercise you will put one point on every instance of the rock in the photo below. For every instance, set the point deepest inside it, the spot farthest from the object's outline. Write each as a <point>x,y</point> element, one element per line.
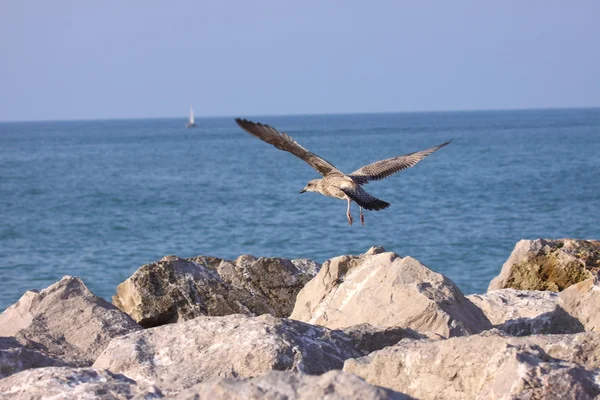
<point>382,289</point>
<point>489,365</point>
<point>73,383</point>
<point>278,280</point>
<point>14,357</point>
<point>67,321</point>
<point>308,267</point>
<point>175,289</point>
<point>526,312</point>
<point>526,375</point>
<point>504,305</point>
<point>278,385</point>
<point>553,265</point>
<point>177,356</point>
<point>582,301</point>
<point>367,339</point>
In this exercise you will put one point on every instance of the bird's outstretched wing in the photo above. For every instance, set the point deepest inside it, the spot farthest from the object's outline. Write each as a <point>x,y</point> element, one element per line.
<point>384,168</point>
<point>283,141</point>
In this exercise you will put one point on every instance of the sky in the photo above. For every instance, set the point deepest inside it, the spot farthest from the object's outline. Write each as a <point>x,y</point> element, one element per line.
<point>64,60</point>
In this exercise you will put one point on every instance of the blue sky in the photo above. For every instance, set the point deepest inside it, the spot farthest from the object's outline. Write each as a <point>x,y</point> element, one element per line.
<point>137,59</point>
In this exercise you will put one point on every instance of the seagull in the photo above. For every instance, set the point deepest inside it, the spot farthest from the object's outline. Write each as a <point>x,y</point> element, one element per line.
<point>334,182</point>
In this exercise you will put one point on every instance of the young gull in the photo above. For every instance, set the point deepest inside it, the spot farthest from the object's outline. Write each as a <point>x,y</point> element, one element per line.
<point>334,182</point>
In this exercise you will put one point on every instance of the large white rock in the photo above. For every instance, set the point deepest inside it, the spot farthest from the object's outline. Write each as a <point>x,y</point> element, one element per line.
<point>66,320</point>
<point>177,356</point>
<point>279,385</point>
<point>487,366</point>
<point>73,384</point>
<point>545,264</point>
<point>385,290</point>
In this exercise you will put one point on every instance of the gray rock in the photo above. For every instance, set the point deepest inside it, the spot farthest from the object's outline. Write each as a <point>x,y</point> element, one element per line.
<point>278,280</point>
<point>489,365</point>
<point>544,264</point>
<point>384,290</point>
<point>582,301</point>
<point>177,356</point>
<point>505,305</point>
<point>308,267</point>
<point>66,321</point>
<point>526,312</point>
<point>278,385</point>
<point>175,289</point>
<point>526,374</point>
<point>73,384</point>
<point>14,357</point>
<point>367,338</point>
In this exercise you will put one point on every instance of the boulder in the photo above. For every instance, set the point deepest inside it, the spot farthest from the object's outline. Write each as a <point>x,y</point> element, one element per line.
<point>177,356</point>
<point>489,365</point>
<point>73,383</point>
<point>14,357</point>
<point>582,301</point>
<point>526,312</point>
<point>544,264</point>
<point>278,385</point>
<point>67,321</point>
<point>385,290</point>
<point>175,289</point>
<point>278,280</point>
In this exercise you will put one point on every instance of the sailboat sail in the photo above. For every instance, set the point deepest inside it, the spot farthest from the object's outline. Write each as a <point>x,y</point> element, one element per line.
<point>191,122</point>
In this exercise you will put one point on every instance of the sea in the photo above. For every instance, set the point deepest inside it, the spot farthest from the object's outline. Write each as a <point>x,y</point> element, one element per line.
<point>98,199</point>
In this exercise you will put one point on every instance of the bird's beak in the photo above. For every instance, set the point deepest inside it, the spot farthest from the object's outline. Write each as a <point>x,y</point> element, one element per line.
<point>303,190</point>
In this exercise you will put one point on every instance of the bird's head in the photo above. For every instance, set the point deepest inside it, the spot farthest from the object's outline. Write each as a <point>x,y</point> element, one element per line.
<point>311,186</point>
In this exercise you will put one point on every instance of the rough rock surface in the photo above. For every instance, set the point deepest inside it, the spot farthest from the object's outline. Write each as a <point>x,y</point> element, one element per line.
<point>177,356</point>
<point>366,338</point>
<point>276,279</point>
<point>14,357</point>
<point>526,312</point>
<point>490,365</point>
<point>73,383</point>
<point>382,289</point>
<point>582,301</point>
<point>67,321</point>
<point>549,264</point>
<point>175,289</point>
<point>278,385</point>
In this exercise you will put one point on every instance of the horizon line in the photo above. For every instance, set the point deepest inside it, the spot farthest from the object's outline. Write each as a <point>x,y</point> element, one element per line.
<point>308,114</point>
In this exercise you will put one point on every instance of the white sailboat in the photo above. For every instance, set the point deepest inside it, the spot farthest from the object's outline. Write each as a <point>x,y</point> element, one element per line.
<point>191,123</point>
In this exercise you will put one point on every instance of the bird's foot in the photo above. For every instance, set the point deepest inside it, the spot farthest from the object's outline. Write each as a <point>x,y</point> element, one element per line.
<point>362,219</point>
<point>350,220</point>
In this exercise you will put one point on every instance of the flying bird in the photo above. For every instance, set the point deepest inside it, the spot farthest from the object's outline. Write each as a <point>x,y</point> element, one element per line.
<point>334,182</point>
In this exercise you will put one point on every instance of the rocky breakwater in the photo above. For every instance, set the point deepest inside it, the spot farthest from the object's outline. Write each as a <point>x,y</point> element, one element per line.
<point>371,326</point>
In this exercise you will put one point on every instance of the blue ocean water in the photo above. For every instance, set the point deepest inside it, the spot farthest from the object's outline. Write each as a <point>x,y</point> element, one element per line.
<point>98,199</point>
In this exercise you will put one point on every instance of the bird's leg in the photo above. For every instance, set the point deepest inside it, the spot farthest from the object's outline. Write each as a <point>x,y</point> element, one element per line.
<point>362,217</point>
<point>348,213</point>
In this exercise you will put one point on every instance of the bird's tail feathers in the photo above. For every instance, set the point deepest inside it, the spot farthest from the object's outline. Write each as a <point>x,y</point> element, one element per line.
<point>364,199</point>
